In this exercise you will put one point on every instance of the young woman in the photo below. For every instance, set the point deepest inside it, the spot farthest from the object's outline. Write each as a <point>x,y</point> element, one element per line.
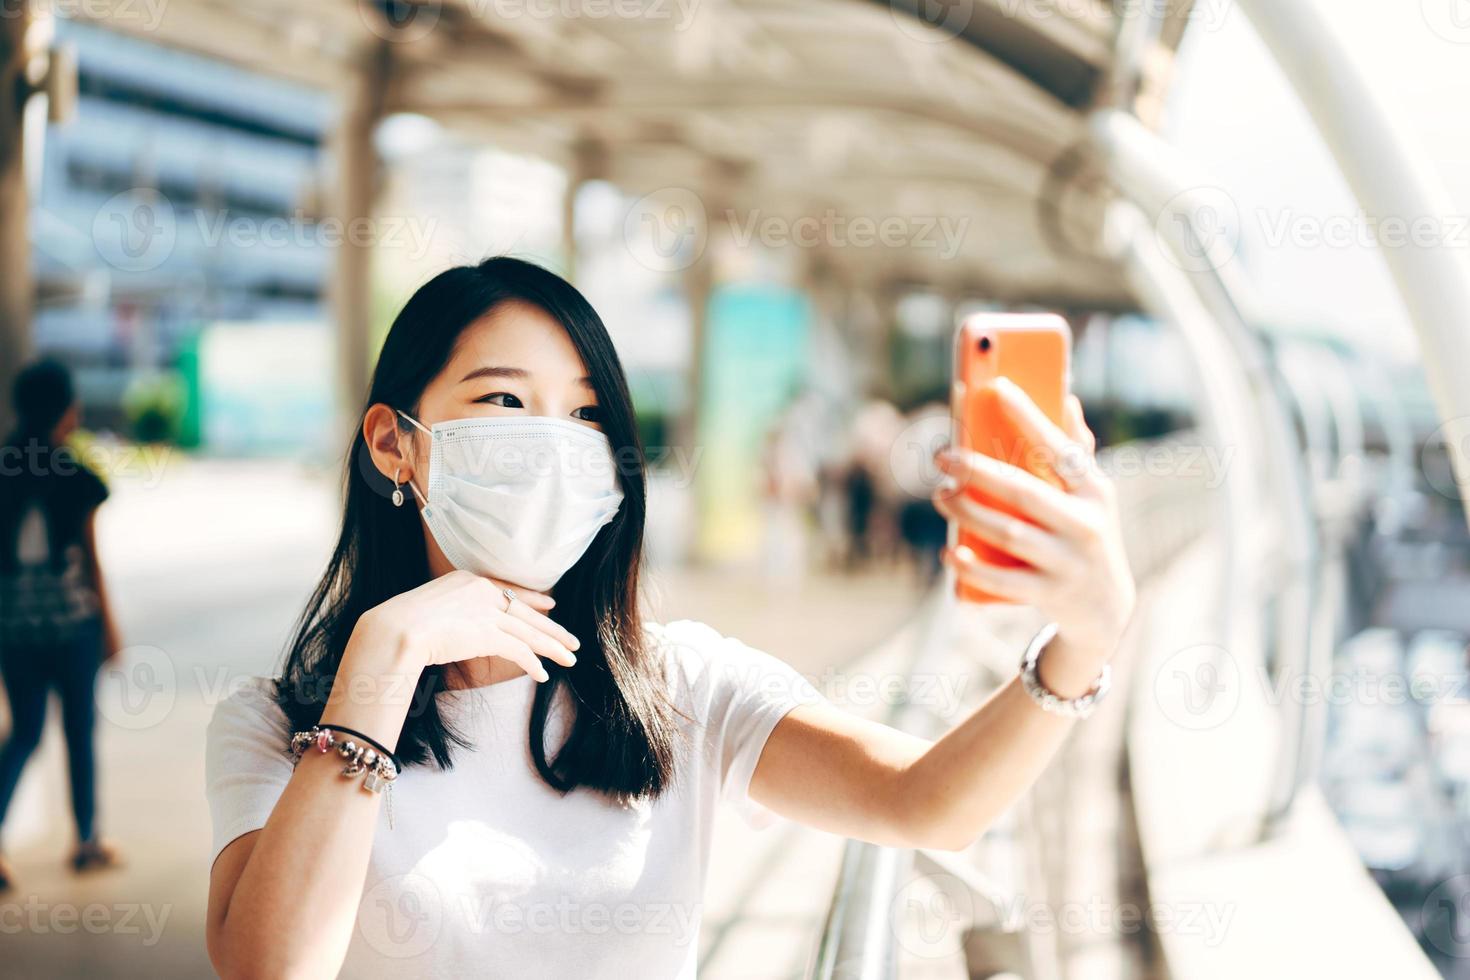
<point>56,626</point>
<point>551,762</point>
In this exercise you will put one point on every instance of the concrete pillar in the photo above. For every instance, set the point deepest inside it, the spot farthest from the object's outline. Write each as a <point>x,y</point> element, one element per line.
<point>698,281</point>
<point>352,203</point>
<point>16,285</point>
<point>828,296</point>
<point>569,250</point>
<point>588,162</point>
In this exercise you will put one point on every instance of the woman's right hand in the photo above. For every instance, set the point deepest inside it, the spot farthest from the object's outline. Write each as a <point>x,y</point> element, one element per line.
<point>320,832</point>
<point>460,616</point>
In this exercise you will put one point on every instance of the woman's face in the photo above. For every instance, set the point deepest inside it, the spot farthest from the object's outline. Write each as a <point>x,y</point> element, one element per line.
<point>515,361</point>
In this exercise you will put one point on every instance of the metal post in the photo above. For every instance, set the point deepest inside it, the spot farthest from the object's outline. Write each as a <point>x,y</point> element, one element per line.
<point>1389,177</point>
<point>1153,176</point>
<point>1165,291</point>
<point>357,186</point>
<point>16,286</point>
<point>857,941</point>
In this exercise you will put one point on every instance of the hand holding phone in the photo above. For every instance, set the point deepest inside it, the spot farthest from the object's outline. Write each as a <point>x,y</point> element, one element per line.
<point>1033,520</point>
<point>1033,352</point>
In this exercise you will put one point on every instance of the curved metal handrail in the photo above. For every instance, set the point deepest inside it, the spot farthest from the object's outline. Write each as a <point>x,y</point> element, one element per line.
<point>857,939</point>
<point>1161,516</point>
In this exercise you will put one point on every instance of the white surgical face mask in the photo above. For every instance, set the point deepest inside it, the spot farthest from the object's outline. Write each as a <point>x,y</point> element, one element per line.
<point>517,498</point>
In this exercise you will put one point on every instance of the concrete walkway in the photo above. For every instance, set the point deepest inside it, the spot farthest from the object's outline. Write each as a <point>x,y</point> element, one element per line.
<point>210,566</point>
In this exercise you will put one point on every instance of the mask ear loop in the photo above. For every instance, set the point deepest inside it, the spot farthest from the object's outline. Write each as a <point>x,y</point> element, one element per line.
<point>413,421</point>
<point>423,501</point>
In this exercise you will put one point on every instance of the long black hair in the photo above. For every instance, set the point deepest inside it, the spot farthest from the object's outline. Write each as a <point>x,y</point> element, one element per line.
<point>33,471</point>
<point>622,738</point>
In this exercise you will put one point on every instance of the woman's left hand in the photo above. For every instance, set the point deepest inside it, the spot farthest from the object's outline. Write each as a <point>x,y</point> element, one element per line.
<point>1076,571</point>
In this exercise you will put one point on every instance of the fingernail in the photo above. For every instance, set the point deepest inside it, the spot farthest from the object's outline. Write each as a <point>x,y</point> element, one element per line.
<point>573,659</point>
<point>576,643</point>
<point>543,677</point>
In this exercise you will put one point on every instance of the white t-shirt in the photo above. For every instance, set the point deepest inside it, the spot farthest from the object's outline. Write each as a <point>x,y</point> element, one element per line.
<point>488,871</point>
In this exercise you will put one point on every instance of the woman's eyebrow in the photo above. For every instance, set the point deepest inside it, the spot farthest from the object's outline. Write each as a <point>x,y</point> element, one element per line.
<point>499,371</point>
<point>495,371</point>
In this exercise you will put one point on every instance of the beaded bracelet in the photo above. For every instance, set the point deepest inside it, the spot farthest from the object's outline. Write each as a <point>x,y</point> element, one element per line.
<point>372,743</point>
<point>381,769</point>
<point>1079,707</point>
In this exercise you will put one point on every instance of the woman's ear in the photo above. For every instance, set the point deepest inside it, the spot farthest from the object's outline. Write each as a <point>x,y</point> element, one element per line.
<point>389,446</point>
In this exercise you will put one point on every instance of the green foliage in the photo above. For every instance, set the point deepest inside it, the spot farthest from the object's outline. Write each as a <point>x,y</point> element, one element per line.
<point>154,407</point>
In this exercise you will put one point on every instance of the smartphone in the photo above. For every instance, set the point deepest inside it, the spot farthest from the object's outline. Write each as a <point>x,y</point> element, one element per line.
<point>1032,350</point>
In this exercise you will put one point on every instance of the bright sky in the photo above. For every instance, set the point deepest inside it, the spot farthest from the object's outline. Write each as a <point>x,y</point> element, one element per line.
<point>1233,111</point>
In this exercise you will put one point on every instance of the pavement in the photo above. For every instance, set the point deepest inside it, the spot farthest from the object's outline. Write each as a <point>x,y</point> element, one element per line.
<point>210,562</point>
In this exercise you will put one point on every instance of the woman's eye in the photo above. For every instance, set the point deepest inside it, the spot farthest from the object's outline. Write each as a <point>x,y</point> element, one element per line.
<point>502,398</point>
<point>588,413</point>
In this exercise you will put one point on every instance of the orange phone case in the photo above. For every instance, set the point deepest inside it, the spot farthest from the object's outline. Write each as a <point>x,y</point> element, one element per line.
<point>1033,351</point>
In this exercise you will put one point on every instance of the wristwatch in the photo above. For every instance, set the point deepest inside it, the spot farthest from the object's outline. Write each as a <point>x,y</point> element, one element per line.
<point>1078,707</point>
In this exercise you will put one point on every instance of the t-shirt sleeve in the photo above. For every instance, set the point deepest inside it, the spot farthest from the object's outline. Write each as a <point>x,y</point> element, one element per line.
<point>739,695</point>
<point>77,493</point>
<point>90,490</point>
<point>246,767</point>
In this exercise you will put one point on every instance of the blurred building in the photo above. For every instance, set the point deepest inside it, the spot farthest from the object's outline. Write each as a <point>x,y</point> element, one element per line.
<point>183,192</point>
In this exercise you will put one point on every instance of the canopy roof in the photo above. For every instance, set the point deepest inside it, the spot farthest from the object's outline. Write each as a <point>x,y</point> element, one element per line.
<point>816,108</point>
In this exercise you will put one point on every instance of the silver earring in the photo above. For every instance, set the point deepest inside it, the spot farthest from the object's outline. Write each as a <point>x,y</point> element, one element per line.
<point>397,491</point>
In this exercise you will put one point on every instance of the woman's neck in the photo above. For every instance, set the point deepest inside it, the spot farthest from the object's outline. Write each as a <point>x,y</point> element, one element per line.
<point>481,672</point>
<point>476,671</point>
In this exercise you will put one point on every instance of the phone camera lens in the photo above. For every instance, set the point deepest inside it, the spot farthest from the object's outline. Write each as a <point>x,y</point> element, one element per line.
<point>984,344</point>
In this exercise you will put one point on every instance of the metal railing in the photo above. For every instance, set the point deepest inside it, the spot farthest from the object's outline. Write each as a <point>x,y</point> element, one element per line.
<point>1162,516</point>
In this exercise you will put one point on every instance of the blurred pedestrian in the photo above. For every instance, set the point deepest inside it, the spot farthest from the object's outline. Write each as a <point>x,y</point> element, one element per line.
<point>789,491</point>
<point>55,624</point>
<point>874,489</point>
<point>923,528</point>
